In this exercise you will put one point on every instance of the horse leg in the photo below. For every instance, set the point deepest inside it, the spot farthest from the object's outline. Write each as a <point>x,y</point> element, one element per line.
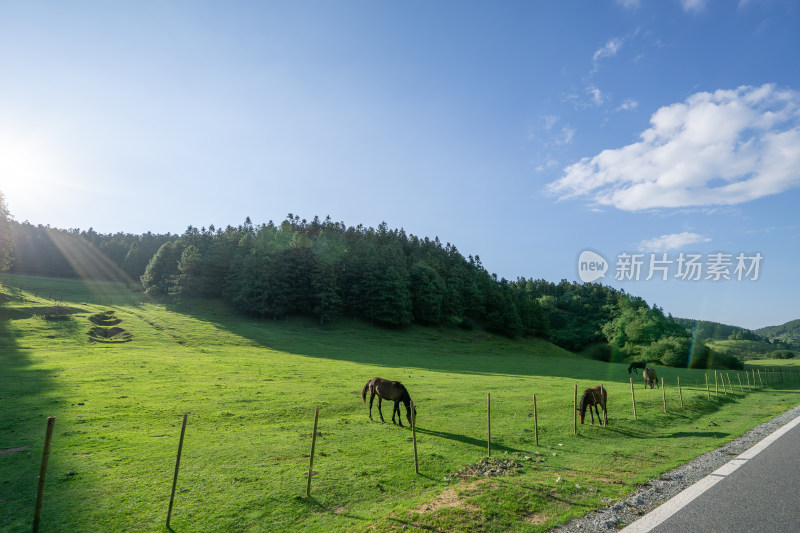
<point>379,408</point>
<point>371,399</point>
<point>399,416</point>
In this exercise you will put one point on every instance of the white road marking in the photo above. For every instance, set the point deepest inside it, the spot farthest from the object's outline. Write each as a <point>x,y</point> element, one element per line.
<point>728,468</point>
<point>654,518</point>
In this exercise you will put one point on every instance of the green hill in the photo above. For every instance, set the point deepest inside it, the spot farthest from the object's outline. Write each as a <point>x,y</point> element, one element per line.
<point>119,378</point>
<point>742,343</point>
<point>714,331</point>
<point>788,332</point>
<point>751,350</point>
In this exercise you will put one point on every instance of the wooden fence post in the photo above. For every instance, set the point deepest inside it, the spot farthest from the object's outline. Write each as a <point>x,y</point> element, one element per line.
<point>741,388</point>
<point>489,423</point>
<point>663,396</point>
<point>708,392</point>
<point>716,384</point>
<point>177,466</point>
<point>633,399</point>
<point>604,399</point>
<point>535,421</point>
<point>722,379</point>
<point>414,436</point>
<point>680,393</point>
<point>575,411</point>
<point>311,457</point>
<point>759,378</point>
<point>728,377</point>
<point>37,512</point>
<point>747,375</point>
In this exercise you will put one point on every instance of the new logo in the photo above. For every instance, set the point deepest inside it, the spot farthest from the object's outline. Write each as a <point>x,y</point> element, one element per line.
<point>591,266</point>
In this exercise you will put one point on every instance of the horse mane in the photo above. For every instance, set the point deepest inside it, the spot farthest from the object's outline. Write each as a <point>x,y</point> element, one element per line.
<point>405,397</point>
<point>364,392</point>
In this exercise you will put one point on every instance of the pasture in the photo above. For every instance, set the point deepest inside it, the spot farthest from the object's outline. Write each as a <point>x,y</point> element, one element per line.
<point>250,388</point>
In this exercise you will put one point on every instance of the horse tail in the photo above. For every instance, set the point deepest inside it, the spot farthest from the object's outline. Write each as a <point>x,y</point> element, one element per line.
<point>364,392</point>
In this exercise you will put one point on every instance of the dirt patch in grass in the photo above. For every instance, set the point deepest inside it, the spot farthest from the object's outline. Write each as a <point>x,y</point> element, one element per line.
<point>105,319</point>
<point>450,497</point>
<point>536,519</point>
<point>9,451</point>
<point>102,334</point>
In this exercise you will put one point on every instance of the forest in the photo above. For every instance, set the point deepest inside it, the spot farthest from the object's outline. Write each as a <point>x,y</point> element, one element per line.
<point>327,270</point>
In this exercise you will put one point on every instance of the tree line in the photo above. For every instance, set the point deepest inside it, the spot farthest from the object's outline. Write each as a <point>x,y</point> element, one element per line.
<point>40,250</point>
<point>327,270</point>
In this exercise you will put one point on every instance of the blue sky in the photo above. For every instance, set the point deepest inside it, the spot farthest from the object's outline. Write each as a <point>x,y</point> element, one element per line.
<point>523,132</point>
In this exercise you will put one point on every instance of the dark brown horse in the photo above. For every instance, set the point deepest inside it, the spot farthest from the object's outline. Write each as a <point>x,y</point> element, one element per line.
<point>637,364</point>
<point>650,377</point>
<point>592,397</point>
<point>393,391</point>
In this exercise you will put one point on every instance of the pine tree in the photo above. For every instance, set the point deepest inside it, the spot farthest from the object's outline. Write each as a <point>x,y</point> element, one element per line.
<point>6,242</point>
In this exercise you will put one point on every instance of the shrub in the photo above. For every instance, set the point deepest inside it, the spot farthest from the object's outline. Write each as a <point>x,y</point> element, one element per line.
<point>671,351</point>
<point>600,351</point>
<point>712,359</point>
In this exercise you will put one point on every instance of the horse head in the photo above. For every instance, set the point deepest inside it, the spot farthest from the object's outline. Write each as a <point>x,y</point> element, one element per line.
<point>582,406</point>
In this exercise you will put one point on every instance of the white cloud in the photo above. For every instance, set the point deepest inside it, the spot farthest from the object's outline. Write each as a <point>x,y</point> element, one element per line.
<point>628,105</point>
<point>550,121</point>
<point>722,148</point>
<point>693,5</point>
<point>566,136</point>
<point>596,94</point>
<point>550,163</point>
<point>672,241</point>
<point>629,4</point>
<point>609,50</point>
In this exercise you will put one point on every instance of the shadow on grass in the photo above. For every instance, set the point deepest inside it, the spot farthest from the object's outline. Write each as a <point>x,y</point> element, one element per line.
<point>26,404</point>
<point>482,444</point>
<point>437,349</point>
<point>74,291</point>
<point>685,434</point>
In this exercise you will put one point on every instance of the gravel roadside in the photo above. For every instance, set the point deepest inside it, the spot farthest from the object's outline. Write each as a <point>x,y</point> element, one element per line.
<point>658,490</point>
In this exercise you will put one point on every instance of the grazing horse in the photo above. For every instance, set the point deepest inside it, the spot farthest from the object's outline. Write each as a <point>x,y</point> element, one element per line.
<point>650,377</point>
<point>637,364</point>
<point>592,397</point>
<point>394,391</point>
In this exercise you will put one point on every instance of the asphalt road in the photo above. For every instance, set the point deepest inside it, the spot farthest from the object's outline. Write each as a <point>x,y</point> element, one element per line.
<point>756,492</point>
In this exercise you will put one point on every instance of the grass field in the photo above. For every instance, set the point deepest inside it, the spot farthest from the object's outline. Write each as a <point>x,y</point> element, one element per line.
<point>250,388</point>
<point>744,350</point>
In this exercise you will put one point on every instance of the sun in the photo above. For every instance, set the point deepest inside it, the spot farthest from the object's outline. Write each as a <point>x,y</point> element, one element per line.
<point>27,168</point>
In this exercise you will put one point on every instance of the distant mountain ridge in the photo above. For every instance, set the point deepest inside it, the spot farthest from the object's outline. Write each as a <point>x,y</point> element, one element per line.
<point>788,332</point>
<point>715,331</point>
